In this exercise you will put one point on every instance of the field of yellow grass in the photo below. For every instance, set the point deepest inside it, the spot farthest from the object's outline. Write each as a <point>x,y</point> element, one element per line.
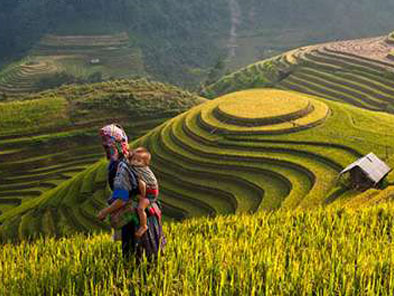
<point>319,252</point>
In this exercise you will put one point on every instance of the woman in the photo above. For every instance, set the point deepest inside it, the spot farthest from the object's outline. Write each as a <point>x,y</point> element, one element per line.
<point>123,181</point>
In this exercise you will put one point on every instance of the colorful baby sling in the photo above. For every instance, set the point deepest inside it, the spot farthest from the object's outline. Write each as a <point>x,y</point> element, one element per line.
<point>127,213</point>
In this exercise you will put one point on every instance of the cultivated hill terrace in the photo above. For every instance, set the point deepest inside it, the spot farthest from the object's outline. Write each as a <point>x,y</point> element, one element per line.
<point>358,72</point>
<point>49,137</point>
<point>79,57</point>
<point>248,151</point>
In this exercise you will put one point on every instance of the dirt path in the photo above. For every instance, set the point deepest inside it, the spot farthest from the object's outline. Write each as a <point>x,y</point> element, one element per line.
<point>235,21</point>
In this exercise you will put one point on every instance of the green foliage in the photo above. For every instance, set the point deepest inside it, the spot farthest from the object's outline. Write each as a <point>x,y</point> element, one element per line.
<point>216,72</point>
<point>60,78</point>
<point>262,74</point>
<point>388,74</point>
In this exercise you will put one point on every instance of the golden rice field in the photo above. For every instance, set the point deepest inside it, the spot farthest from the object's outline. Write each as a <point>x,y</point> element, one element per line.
<point>319,252</point>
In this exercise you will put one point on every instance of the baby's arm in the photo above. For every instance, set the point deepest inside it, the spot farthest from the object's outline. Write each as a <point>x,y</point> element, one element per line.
<point>143,202</point>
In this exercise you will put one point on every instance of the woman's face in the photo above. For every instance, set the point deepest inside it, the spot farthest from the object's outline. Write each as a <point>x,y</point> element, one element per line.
<point>111,151</point>
<point>114,141</point>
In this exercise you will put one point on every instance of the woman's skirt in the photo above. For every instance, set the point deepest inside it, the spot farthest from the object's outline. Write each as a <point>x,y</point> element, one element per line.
<point>150,244</point>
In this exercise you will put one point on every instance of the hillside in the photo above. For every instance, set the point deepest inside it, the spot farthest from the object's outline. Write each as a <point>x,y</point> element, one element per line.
<point>319,252</point>
<point>358,72</point>
<point>181,42</point>
<point>264,149</point>
<point>249,151</point>
<point>57,60</point>
<point>50,137</point>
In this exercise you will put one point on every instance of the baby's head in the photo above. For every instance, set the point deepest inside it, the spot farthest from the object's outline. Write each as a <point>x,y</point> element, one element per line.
<point>141,157</point>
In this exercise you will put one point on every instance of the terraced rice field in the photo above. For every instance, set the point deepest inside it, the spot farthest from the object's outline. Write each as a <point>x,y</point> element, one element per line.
<point>53,42</point>
<point>356,72</point>
<point>285,150</point>
<point>221,157</point>
<point>51,137</point>
<point>113,56</point>
<point>23,77</point>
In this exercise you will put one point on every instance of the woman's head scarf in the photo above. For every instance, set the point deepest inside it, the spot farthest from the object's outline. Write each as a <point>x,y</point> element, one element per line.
<point>115,141</point>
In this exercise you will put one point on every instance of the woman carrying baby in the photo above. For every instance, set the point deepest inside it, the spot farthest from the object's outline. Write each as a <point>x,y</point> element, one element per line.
<point>124,183</point>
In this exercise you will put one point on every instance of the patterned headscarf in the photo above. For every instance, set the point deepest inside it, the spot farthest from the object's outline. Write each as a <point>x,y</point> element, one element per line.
<point>115,141</point>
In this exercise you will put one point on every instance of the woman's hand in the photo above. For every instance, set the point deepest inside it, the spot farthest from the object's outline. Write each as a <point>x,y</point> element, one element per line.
<point>117,204</point>
<point>102,214</point>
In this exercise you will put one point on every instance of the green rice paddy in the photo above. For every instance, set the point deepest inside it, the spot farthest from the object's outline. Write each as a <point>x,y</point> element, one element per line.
<point>50,137</point>
<point>211,163</point>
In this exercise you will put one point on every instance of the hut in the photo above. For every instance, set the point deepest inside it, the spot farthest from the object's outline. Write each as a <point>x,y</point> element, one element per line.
<point>366,172</point>
<point>95,61</point>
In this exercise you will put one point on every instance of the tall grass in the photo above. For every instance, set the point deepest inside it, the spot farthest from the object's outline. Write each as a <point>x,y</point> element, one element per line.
<point>321,252</point>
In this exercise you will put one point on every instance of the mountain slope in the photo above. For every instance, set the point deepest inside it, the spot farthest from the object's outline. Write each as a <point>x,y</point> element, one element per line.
<point>180,42</point>
<point>50,137</point>
<point>358,72</point>
<point>249,151</point>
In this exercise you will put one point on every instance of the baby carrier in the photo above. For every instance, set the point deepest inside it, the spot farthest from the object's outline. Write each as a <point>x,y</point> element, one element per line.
<point>127,213</point>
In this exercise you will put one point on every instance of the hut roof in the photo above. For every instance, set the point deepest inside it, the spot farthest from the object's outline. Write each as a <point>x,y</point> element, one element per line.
<point>372,166</point>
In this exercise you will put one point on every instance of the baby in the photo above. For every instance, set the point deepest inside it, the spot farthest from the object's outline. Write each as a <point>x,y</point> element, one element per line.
<point>148,185</point>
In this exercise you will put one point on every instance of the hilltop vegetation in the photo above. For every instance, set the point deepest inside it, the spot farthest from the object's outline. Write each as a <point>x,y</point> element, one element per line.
<point>250,151</point>
<point>50,137</point>
<point>319,252</point>
<point>180,41</point>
